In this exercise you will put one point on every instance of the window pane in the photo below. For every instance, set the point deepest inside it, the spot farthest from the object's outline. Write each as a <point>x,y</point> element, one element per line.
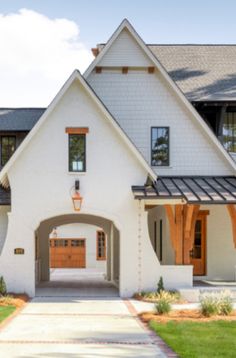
<point>101,245</point>
<point>8,146</point>
<point>229,131</point>
<point>77,152</point>
<point>160,146</point>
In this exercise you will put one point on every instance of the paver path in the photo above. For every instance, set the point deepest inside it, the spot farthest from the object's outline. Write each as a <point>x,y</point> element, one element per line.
<point>73,327</point>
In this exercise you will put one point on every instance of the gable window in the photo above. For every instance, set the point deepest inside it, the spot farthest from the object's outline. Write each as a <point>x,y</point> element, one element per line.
<point>229,131</point>
<point>160,146</point>
<point>77,148</point>
<point>101,245</point>
<point>8,147</point>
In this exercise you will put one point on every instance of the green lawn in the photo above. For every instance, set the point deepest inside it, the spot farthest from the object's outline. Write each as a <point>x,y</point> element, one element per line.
<point>199,340</point>
<point>6,311</point>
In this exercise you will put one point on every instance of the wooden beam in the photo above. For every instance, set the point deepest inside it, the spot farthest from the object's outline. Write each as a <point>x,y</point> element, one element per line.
<point>175,217</point>
<point>77,130</point>
<point>232,212</point>
<point>151,69</point>
<point>125,70</point>
<point>98,69</point>
<point>148,207</point>
<point>188,221</point>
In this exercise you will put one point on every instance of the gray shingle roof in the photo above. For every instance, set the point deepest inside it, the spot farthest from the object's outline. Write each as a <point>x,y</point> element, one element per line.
<point>202,72</point>
<point>202,190</point>
<point>19,119</point>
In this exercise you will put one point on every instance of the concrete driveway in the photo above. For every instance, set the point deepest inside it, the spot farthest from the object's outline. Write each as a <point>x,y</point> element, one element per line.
<point>72,327</point>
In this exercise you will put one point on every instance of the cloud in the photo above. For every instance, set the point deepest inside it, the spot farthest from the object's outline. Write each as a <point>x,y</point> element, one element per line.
<point>37,55</point>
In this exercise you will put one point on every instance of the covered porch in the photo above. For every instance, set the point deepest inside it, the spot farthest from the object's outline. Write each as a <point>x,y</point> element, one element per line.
<point>192,227</point>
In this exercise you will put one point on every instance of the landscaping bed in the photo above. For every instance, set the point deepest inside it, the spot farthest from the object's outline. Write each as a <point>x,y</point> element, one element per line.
<point>184,315</point>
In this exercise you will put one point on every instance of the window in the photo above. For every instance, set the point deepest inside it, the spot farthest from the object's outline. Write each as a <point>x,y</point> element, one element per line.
<point>159,146</point>
<point>77,146</point>
<point>8,146</point>
<point>101,245</point>
<point>229,131</point>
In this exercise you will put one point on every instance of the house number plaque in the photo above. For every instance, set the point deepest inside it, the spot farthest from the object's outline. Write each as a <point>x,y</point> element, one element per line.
<point>19,251</point>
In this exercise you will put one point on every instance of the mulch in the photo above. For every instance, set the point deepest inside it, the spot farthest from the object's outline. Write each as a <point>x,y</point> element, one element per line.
<point>184,315</point>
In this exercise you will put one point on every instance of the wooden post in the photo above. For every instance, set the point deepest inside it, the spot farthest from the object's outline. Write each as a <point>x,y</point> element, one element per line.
<point>175,217</point>
<point>232,212</point>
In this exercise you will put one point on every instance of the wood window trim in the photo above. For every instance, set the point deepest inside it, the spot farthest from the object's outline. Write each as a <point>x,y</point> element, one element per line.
<point>77,130</point>
<point>103,258</point>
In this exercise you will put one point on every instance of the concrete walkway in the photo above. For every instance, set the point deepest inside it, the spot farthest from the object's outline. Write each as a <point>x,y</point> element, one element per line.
<point>77,283</point>
<point>56,327</point>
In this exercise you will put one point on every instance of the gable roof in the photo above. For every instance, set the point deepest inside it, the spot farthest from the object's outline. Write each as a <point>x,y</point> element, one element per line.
<point>203,72</point>
<point>19,119</point>
<point>126,25</point>
<point>74,76</point>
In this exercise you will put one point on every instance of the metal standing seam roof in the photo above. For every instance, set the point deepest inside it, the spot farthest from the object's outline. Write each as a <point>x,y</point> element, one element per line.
<point>202,72</point>
<point>19,119</point>
<point>194,189</point>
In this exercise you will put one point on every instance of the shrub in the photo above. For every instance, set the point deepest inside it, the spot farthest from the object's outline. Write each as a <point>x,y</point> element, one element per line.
<point>163,305</point>
<point>6,300</point>
<point>225,303</point>
<point>160,285</point>
<point>3,287</point>
<point>216,303</point>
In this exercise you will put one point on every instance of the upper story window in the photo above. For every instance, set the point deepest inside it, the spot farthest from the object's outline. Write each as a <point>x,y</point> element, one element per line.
<point>77,152</point>
<point>160,146</point>
<point>77,149</point>
<point>8,146</point>
<point>229,131</point>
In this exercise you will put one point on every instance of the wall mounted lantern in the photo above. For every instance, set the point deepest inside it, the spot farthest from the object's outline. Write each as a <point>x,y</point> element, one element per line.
<point>76,197</point>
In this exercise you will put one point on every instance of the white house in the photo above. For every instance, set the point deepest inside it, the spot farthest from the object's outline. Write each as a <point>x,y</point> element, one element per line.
<point>158,187</point>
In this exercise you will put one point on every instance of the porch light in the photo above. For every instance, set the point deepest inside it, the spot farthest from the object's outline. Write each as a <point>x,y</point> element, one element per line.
<point>76,197</point>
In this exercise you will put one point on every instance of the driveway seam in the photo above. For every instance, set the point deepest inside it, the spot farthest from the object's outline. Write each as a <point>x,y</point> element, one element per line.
<point>158,341</point>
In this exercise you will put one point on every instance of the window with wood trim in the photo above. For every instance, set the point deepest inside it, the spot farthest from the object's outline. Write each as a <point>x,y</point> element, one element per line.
<point>160,146</point>
<point>77,152</point>
<point>101,245</point>
<point>8,147</point>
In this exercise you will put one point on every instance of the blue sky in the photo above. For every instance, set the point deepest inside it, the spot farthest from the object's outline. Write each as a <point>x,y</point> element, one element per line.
<point>43,41</point>
<point>161,21</point>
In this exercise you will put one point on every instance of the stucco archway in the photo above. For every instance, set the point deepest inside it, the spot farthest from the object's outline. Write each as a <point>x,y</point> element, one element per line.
<point>46,226</point>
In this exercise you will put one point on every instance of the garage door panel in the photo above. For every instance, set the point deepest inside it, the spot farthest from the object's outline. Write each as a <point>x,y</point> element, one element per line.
<point>67,253</point>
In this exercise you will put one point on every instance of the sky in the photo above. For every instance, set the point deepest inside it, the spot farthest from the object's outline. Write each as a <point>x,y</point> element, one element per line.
<point>43,41</point>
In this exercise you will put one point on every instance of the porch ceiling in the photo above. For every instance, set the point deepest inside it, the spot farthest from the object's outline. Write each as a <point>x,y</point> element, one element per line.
<point>192,189</point>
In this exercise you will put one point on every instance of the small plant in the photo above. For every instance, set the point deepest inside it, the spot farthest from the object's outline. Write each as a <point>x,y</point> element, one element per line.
<point>216,303</point>
<point>3,287</point>
<point>160,285</point>
<point>163,305</point>
<point>225,303</point>
<point>6,300</point>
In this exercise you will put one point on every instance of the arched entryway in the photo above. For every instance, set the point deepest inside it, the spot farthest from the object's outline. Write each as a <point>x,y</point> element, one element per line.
<point>54,277</point>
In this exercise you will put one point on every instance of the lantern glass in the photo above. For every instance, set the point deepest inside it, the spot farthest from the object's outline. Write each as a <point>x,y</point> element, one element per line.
<point>77,201</point>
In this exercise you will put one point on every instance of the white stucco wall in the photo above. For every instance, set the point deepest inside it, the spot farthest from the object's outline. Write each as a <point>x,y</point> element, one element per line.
<point>221,253</point>
<point>139,100</point>
<point>41,186</point>
<point>87,232</point>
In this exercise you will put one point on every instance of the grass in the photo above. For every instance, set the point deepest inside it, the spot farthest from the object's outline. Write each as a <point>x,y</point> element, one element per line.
<point>194,340</point>
<point>6,311</point>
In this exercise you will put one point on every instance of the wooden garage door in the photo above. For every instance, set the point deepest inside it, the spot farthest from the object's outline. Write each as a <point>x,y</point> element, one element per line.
<point>67,253</point>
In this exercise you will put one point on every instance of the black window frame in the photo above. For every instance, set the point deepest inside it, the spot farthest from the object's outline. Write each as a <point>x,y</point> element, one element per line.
<point>69,164</point>
<point>6,136</point>
<point>168,154</point>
